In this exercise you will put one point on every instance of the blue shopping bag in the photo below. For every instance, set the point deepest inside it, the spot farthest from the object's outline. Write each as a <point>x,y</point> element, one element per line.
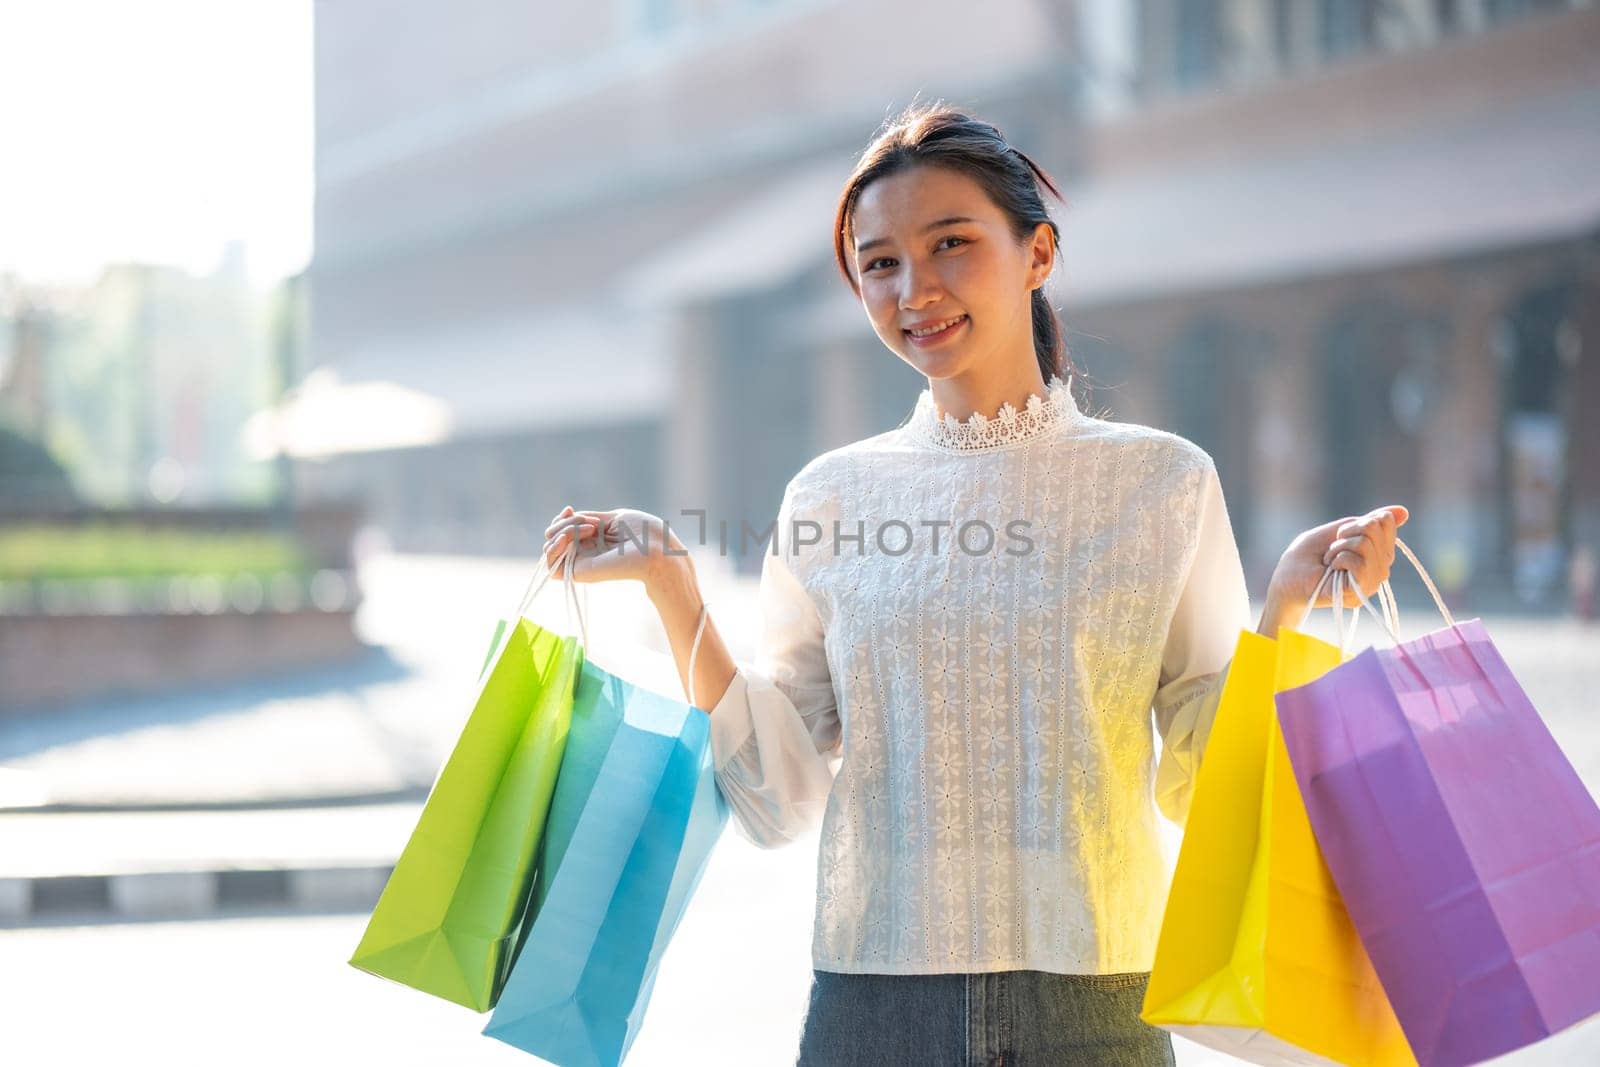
<point>632,824</point>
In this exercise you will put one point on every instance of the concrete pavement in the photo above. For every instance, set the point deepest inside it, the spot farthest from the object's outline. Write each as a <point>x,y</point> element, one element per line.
<point>296,794</point>
<point>378,727</point>
<point>187,863</point>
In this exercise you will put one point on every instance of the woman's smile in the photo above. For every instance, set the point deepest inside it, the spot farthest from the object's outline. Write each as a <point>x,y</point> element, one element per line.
<point>935,333</point>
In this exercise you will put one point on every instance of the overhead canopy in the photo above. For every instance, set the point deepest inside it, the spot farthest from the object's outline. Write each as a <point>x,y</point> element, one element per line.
<point>757,245</point>
<point>1524,174</point>
<point>323,417</point>
<point>1510,178</point>
<point>546,368</point>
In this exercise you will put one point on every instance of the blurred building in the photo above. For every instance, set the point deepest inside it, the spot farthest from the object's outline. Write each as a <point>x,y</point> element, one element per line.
<point>138,383</point>
<point>1347,247</point>
<point>1351,249</point>
<point>600,234</point>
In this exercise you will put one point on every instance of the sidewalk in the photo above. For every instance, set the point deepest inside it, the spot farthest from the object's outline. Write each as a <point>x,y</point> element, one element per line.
<point>294,792</point>
<point>376,728</point>
<point>173,864</point>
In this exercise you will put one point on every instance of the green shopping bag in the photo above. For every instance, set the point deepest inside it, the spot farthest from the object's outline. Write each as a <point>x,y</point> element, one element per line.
<point>450,917</point>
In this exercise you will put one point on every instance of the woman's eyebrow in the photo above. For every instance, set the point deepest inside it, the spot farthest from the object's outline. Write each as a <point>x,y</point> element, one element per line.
<point>951,221</point>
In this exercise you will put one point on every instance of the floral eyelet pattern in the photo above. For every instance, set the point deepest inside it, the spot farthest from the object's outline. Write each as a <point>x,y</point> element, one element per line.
<point>994,805</point>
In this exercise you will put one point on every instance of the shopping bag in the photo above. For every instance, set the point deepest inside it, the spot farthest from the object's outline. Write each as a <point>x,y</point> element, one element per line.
<point>632,826</point>
<point>448,918</point>
<point>1256,955</point>
<point>1463,841</point>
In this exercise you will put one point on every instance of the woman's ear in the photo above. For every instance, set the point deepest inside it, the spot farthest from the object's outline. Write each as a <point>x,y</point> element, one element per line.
<point>1043,251</point>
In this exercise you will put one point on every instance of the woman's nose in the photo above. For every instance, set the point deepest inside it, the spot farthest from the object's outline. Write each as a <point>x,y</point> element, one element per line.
<point>919,286</point>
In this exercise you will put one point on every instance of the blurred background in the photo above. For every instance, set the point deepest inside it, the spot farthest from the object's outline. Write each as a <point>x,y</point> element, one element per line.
<point>313,314</point>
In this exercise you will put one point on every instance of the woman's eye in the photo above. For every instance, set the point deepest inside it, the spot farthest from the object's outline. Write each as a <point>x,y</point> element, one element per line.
<point>873,264</point>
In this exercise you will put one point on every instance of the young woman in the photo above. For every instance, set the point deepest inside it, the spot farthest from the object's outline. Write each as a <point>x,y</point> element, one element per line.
<point>975,613</point>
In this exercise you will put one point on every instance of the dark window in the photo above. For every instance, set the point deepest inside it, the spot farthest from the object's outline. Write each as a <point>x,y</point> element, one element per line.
<point>1283,31</point>
<point>1536,366</point>
<point>1369,457</point>
<point>1507,10</point>
<point>1197,55</point>
<point>1210,397</point>
<point>1345,27</point>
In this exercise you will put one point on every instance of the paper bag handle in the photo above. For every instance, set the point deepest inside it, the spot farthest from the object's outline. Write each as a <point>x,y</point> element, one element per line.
<point>1390,620</point>
<point>694,650</point>
<point>542,574</point>
<point>568,563</point>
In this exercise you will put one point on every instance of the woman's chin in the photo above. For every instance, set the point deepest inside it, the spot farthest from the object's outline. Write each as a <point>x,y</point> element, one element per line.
<point>941,364</point>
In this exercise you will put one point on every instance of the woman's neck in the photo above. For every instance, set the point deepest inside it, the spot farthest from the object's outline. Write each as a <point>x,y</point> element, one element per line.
<point>983,390</point>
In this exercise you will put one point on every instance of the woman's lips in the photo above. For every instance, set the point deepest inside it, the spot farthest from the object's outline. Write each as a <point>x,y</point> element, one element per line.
<point>936,338</point>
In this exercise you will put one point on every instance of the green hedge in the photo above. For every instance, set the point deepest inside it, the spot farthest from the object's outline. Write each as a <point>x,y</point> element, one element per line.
<point>87,552</point>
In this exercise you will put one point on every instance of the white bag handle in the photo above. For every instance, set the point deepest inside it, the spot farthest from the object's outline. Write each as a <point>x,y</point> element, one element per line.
<point>694,650</point>
<point>1427,580</point>
<point>1390,619</point>
<point>569,561</point>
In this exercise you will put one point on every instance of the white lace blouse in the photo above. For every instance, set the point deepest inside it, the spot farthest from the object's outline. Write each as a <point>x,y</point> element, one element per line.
<point>966,626</point>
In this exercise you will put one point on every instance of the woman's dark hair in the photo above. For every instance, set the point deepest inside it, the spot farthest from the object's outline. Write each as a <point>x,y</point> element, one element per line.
<point>937,135</point>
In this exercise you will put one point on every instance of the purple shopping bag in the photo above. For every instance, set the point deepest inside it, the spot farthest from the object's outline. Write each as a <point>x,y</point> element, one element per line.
<point>1465,846</point>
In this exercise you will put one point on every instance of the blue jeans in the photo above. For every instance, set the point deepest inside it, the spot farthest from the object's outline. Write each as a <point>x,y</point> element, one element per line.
<point>1000,1019</point>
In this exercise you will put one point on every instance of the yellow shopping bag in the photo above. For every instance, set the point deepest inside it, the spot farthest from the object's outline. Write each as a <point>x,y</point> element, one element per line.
<point>1257,956</point>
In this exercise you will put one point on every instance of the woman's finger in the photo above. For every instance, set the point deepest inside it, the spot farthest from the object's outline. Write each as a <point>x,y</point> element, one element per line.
<point>1370,554</point>
<point>582,531</point>
<point>568,514</point>
<point>565,520</point>
<point>585,527</point>
<point>564,530</point>
<point>1382,536</point>
<point>1383,532</point>
<point>563,513</point>
<point>555,546</point>
<point>1342,562</point>
<point>1359,568</point>
<point>1354,581</point>
<point>1346,544</point>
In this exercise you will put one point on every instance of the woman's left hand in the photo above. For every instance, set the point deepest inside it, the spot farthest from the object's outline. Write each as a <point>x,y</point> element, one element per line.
<point>1363,547</point>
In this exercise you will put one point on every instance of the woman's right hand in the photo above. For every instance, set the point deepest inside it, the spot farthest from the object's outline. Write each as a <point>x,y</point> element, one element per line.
<point>621,543</point>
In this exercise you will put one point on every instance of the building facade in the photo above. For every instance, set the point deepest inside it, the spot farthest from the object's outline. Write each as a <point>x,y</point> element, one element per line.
<point>1346,247</point>
<point>1350,248</point>
<point>496,186</point>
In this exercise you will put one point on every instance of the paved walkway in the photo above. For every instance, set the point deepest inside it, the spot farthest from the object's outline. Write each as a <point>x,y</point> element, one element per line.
<point>83,845</point>
<point>382,725</point>
<point>278,754</point>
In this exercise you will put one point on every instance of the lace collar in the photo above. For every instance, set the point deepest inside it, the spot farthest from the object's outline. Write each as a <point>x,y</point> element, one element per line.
<point>1004,429</point>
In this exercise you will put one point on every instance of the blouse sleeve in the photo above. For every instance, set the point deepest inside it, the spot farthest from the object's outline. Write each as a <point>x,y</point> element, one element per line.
<point>1212,608</point>
<point>776,728</point>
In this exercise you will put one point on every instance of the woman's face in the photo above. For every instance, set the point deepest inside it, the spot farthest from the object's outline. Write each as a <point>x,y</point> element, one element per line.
<point>932,249</point>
